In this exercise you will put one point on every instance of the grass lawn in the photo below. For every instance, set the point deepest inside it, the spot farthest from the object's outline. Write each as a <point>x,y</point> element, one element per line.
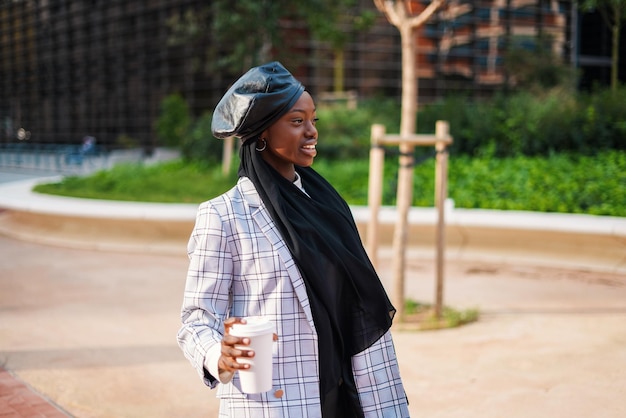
<point>559,183</point>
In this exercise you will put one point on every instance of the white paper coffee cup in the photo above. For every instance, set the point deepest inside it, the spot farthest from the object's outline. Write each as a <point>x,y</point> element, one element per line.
<point>258,378</point>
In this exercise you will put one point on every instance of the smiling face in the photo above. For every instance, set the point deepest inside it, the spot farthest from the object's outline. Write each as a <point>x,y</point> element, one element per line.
<point>291,140</point>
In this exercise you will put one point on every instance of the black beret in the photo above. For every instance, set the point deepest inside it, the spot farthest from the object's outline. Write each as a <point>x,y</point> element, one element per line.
<point>255,101</point>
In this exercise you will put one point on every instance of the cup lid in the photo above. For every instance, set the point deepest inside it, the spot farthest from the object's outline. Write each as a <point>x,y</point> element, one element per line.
<point>254,325</point>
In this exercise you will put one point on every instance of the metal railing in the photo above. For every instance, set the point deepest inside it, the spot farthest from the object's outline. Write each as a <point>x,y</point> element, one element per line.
<point>61,158</point>
<point>68,159</point>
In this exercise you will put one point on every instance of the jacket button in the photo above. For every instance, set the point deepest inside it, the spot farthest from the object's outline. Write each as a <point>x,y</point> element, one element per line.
<point>279,393</point>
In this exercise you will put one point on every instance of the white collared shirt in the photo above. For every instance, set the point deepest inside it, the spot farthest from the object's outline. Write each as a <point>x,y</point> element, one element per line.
<point>298,182</point>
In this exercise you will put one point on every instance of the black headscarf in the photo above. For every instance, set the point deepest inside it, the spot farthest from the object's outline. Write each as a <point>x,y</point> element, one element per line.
<point>350,307</point>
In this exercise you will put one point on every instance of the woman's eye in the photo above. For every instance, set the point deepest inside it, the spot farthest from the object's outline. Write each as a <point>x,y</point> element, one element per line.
<point>300,121</point>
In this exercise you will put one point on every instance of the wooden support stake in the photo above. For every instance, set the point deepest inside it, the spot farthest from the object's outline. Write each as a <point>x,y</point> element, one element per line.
<point>441,192</point>
<point>375,190</point>
<point>404,199</point>
<point>227,155</point>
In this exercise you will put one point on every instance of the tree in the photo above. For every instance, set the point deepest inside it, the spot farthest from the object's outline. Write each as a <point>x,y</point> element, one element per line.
<point>242,34</point>
<point>334,21</point>
<point>400,14</point>
<point>235,35</point>
<point>613,12</point>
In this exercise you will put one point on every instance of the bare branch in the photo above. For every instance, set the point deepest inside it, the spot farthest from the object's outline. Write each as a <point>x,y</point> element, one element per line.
<point>395,12</point>
<point>388,8</point>
<point>380,5</point>
<point>419,20</point>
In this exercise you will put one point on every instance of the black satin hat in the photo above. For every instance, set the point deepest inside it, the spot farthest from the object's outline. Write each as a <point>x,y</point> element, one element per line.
<point>255,101</point>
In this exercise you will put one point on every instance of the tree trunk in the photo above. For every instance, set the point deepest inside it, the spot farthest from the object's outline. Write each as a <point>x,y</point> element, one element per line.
<point>405,173</point>
<point>409,81</point>
<point>396,13</point>
<point>615,52</point>
<point>338,70</point>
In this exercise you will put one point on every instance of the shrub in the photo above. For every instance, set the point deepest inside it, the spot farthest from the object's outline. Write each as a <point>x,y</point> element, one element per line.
<point>604,119</point>
<point>558,183</point>
<point>556,120</point>
<point>471,123</point>
<point>345,133</point>
<point>545,123</point>
<point>173,121</point>
<point>200,144</point>
<point>533,66</point>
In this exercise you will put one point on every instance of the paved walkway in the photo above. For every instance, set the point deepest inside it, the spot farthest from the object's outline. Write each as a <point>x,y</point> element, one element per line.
<point>19,400</point>
<point>91,334</point>
<point>94,332</point>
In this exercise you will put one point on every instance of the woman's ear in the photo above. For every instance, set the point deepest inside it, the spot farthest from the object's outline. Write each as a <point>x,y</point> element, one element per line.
<point>265,134</point>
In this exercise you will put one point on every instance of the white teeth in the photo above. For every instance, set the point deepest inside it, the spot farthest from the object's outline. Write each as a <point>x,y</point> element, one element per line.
<point>309,147</point>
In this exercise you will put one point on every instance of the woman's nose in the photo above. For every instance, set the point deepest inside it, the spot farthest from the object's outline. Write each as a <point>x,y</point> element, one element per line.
<point>311,129</point>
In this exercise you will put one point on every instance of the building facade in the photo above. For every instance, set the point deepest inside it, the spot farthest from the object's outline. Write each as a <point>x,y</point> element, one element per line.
<point>76,68</point>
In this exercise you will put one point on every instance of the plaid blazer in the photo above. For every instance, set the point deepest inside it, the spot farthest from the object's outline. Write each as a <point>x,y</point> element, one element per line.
<point>240,266</point>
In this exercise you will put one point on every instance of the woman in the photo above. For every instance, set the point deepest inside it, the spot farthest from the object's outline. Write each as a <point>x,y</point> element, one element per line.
<point>283,244</point>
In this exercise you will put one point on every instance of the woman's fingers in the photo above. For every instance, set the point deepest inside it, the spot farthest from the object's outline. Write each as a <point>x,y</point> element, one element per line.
<point>231,321</point>
<point>234,348</point>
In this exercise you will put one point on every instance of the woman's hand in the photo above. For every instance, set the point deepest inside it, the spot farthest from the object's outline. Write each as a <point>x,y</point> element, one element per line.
<point>229,353</point>
<point>228,359</point>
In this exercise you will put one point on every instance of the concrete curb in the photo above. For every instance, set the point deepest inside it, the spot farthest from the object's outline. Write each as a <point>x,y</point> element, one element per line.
<point>565,240</point>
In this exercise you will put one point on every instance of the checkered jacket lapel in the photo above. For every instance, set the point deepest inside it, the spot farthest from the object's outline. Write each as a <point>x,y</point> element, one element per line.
<point>261,217</point>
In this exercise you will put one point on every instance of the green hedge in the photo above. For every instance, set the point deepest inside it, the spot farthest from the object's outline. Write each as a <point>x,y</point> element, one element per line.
<point>521,124</point>
<point>555,121</point>
<point>524,124</point>
<point>566,183</point>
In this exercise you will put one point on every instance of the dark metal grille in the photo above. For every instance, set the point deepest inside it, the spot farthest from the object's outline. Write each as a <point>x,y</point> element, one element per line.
<point>76,68</point>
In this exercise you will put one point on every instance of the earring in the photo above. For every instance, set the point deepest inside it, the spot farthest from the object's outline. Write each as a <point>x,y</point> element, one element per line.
<point>263,147</point>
